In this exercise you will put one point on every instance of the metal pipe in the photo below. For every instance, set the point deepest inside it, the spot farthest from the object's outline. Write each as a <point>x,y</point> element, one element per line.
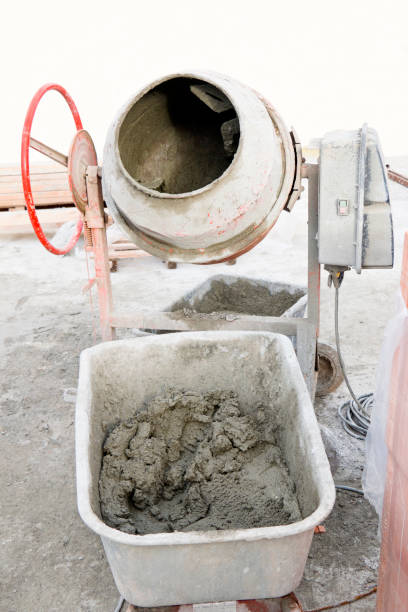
<point>397,177</point>
<point>48,151</point>
<point>176,321</point>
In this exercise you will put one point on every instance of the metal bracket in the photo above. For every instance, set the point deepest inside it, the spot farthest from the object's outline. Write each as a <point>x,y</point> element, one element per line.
<point>94,213</point>
<point>95,218</point>
<point>296,187</point>
<point>336,275</point>
<point>360,199</point>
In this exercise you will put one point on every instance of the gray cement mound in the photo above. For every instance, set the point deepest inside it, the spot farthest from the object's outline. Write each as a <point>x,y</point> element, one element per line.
<point>241,295</point>
<point>192,461</point>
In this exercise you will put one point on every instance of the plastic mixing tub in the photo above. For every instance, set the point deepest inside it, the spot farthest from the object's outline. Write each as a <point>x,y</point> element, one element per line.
<point>117,378</point>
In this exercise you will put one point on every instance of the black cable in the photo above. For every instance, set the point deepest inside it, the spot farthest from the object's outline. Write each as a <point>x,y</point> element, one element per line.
<point>354,421</point>
<point>354,414</point>
<point>351,489</point>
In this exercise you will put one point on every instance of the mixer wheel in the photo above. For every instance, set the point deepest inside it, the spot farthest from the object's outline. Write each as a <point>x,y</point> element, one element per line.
<point>330,375</point>
<point>26,142</point>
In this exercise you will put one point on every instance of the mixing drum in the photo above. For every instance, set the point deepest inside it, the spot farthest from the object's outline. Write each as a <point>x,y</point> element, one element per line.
<point>197,168</point>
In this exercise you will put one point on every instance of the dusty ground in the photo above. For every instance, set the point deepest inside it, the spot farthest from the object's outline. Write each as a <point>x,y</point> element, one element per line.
<point>50,561</point>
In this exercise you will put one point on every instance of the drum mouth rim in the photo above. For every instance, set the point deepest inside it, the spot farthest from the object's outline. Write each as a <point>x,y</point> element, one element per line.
<point>195,192</point>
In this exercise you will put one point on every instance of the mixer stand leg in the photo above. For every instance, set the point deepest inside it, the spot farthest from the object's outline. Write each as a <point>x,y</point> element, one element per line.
<point>95,220</point>
<point>307,337</point>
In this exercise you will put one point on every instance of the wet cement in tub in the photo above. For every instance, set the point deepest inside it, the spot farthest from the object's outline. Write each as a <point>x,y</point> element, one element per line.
<point>195,462</point>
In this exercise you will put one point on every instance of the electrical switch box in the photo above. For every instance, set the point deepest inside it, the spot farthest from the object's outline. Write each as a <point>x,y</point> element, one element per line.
<point>355,223</point>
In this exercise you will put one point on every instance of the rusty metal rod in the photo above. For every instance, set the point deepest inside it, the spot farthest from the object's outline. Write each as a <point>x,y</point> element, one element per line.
<point>178,321</point>
<point>397,177</point>
<point>48,151</point>
<point>345,603</point>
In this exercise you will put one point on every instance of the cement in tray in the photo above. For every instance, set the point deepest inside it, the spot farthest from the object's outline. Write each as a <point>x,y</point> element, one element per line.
<point>195,462</point>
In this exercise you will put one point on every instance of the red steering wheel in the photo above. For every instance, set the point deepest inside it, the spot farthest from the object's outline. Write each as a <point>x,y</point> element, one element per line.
<point>26,143</point>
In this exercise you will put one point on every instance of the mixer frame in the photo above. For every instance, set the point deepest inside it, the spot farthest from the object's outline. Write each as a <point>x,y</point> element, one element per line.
<point>306,330</point>
<point>85,182</point>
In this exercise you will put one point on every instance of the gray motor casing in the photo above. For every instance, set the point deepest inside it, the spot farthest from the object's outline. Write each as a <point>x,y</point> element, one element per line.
<point>355,223</point>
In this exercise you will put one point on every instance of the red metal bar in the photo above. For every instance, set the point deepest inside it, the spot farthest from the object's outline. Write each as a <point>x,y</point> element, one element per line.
<point>397,177</point>
<point>95,220</point>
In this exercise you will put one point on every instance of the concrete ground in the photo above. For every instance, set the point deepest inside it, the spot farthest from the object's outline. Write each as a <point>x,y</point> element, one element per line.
<point>50,561</point>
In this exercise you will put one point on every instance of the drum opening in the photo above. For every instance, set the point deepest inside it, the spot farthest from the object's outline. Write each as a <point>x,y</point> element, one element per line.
<point>180,136</point>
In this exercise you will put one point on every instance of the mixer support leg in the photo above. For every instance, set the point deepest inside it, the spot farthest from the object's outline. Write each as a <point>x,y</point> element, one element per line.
<point>306,354</point>
<point>307,339</point>
<point>95,218</point>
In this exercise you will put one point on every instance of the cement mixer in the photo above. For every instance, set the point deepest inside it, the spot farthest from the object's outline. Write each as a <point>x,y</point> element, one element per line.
<point>197,168</point>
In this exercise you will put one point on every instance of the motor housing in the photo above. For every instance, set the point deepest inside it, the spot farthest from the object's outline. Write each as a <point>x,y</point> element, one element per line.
<point>355,223</point>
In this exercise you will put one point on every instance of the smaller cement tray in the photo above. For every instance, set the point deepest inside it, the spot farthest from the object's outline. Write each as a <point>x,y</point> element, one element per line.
<point>163,569</point>
<point>239,294</point>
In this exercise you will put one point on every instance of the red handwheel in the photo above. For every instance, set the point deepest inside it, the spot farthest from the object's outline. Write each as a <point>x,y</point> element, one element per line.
<point>26,142</point>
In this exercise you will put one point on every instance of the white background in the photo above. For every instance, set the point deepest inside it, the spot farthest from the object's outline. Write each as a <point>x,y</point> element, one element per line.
<point>324,65</point>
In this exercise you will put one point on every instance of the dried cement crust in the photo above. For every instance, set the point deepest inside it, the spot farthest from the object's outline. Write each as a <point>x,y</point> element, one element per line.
<point>192,461</point>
